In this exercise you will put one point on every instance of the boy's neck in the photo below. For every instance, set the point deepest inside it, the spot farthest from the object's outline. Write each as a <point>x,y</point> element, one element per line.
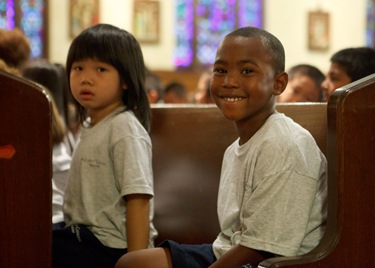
<point>247,129</point>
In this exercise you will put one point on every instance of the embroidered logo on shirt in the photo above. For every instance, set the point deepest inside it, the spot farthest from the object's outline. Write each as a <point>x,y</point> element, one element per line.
<point>95,163</point>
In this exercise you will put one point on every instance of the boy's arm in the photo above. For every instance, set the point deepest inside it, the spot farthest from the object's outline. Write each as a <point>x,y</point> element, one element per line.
<point>137,221</point>
<point>240,255</point>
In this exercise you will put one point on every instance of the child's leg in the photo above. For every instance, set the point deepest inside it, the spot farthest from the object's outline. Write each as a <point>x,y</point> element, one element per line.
<point>151,258</point>
<point>81,249</point>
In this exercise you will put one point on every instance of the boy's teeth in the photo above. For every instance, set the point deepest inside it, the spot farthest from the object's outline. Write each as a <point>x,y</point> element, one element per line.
<point>232,99</point>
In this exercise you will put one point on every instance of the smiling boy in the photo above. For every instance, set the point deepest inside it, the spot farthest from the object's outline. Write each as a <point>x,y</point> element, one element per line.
<point>272,191</point>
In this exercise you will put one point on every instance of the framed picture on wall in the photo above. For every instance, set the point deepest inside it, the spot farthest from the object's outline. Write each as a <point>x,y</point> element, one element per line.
<point>146,21</point>
<point>83,14</point>
<point>318,30</point>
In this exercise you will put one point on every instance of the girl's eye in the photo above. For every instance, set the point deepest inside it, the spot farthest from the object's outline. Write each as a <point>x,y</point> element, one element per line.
<point>101,69</point>
<point>77,68</point>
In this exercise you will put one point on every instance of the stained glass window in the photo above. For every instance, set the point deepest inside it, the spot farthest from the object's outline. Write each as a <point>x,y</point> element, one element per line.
<point>7,14</point>
<point>370,29</point>
<point>31,14</point>
<point>184,33</point>
<point>201,24</point>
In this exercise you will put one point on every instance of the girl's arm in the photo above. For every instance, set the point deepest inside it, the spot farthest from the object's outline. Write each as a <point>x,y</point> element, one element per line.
<point>137,221</point>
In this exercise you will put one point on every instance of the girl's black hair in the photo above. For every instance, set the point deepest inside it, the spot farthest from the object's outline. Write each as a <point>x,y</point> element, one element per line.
<point>120,49</point>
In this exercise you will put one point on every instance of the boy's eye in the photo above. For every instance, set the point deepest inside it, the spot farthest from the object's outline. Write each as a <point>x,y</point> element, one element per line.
<point>247,71</point>
<point>219,70</point>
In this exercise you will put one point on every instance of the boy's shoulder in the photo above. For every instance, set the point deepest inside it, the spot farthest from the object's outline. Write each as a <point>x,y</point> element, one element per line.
<point>281,128</point>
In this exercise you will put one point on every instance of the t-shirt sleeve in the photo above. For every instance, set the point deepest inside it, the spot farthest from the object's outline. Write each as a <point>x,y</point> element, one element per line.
<point>132,164</point>
<point>276,215</point>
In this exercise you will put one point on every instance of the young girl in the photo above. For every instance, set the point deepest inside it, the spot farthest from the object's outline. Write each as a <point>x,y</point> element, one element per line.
<point>108,207</point>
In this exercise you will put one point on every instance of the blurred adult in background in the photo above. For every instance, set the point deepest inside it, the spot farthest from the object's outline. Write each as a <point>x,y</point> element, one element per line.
<point>175,92</point>
<point>14,47</point>
<point>202,94</point>
<point>153,87</point>
<point>4,67</point>
<point>348,65</point>
<point>50,77</point>
<point>53,77</point>
<point>304,85</point>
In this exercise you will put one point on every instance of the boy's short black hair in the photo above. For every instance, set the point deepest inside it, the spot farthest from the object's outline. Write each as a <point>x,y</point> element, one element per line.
<point>271,43</point>
<point>358,62</point>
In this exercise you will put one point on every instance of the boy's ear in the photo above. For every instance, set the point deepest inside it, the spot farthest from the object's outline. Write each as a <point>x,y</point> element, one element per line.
<point>281,80</point>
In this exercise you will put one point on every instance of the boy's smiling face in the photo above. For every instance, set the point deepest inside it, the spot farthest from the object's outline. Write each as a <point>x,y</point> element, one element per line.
<point>244,82</point>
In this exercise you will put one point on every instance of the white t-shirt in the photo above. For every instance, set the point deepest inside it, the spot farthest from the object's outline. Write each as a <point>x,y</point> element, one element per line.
<point>112,159</point>
<point>60,166</point>
<point>272,194</point>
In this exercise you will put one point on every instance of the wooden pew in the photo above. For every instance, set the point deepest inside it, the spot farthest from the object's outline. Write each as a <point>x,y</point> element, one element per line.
<point>350,237</point>
<point>25,174</point>
<point>188,145</point>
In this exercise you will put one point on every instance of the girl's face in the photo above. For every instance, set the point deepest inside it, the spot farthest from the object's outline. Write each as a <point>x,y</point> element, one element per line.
<point>244,83</point>
<point>96,85</point>
<point>336,77</point>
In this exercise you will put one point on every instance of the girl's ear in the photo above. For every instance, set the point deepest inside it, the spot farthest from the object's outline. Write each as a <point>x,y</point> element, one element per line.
<point>124,86</point>
<point>281,80</point>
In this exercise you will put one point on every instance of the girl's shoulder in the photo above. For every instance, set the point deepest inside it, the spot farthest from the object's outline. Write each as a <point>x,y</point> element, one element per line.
<point>124,117</point>
<point>127,123</point>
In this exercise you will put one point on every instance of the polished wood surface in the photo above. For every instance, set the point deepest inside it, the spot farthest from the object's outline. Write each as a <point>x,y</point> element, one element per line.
<point>25,174</point>
<point>350,237</point>
<point>188,146</point>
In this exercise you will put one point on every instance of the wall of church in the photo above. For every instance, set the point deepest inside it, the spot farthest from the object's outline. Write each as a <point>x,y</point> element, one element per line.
<point>286,19</point>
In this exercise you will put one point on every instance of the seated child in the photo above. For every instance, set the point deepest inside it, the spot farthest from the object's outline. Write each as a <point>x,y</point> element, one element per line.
<point>304,85</point>
<point>108,201</point>
<point>348,65</point>
<point>272,193</point>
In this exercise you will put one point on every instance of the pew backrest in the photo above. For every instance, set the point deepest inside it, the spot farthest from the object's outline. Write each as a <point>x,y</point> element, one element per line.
<point>25,174</point>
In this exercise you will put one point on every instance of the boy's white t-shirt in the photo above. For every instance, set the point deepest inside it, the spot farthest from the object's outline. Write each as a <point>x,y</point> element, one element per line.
<point>272,194</point>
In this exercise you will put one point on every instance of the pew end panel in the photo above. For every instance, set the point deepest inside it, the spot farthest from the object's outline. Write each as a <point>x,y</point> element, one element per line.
<point>349,240</point>
<point>25,174</point>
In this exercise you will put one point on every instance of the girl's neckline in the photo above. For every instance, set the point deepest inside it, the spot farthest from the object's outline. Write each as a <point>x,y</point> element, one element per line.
<point>87,122</point>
